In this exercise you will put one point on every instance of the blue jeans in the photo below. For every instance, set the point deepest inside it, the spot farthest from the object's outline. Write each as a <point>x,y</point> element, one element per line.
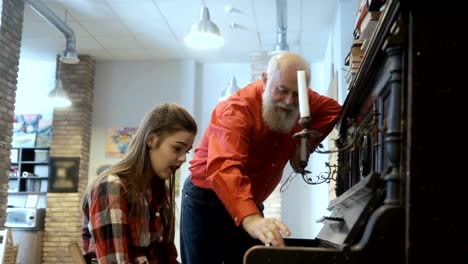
<point>208,234</point>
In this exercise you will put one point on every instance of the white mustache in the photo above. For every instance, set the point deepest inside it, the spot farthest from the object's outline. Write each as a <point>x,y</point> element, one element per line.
<point>284,106</point>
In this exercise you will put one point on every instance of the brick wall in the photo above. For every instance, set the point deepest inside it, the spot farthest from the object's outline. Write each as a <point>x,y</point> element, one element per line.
<point>258,64</point>
<point>70,138</point>
<point>11,17</point>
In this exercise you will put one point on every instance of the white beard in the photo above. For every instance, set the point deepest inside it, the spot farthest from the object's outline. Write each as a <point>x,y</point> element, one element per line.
<point>277,121</point>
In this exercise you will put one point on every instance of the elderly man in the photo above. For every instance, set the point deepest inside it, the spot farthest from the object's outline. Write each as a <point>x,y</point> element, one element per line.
<point>240,161</point>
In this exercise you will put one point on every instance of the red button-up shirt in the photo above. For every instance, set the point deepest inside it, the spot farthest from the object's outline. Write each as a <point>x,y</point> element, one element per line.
<point>241,159</point>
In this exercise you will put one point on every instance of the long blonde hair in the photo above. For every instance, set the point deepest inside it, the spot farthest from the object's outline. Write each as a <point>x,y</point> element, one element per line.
<point>135,167</point>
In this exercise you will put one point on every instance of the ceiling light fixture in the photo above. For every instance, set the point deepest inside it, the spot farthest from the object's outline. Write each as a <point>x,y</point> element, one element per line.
<point>69,56</point>
<point>204,34</point>
<point>230,89</point>
<point>58,96</point>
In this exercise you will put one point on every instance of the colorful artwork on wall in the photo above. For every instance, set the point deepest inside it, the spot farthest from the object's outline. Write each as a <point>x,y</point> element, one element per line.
<point>44,133</point>
<point>31,130</point>
<point>118,140</point>
<point>24,140</point>
<point>25,128</point>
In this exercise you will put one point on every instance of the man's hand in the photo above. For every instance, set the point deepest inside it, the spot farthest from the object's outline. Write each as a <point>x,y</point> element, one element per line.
<point>268,230</point>
<point>302,153</point>
<point>295,160</point>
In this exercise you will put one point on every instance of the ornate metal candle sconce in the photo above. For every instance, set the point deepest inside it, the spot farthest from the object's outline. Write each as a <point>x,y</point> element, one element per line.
<point>354,138</point>
<point>359,132</point>
<point>305,134</point>
<point>323,177</point>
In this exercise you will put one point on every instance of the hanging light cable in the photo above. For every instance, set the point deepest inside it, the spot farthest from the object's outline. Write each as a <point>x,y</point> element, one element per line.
<point>204,34</point>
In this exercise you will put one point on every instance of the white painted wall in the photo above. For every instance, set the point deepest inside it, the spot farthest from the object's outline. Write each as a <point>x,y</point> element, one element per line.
<point>342,39</point>
<point>35,80</point>
<point>216,77</point>
<point>125,91</point>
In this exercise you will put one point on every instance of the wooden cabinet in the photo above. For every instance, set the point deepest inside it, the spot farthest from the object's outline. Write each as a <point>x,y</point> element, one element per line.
<point>403,118</point>
<point>29,171</point>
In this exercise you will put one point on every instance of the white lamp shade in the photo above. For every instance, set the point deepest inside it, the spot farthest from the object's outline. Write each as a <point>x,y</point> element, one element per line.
<point>232,87</point>
<point>204,34</point>
<point>57,96</point>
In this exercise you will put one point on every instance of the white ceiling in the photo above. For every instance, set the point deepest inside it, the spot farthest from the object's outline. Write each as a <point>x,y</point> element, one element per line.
<point>155,29</point>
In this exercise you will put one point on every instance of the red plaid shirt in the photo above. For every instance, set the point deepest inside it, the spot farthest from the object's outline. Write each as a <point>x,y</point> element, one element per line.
<point>110,234</point>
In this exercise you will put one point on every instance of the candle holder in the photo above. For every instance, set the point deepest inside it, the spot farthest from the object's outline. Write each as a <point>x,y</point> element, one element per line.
<point>305,122</point>
<point>305,134</point>
<point>353,140</point>
<point>323,177</point>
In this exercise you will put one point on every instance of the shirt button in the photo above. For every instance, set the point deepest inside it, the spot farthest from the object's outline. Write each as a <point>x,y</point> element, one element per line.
<point>235,219</point>
<point>272,164</point>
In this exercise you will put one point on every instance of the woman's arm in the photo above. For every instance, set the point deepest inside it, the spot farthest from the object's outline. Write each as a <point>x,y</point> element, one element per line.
<point>108,221</point>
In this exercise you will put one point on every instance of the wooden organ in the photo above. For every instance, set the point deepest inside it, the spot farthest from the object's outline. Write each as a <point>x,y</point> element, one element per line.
<point>400,184</point>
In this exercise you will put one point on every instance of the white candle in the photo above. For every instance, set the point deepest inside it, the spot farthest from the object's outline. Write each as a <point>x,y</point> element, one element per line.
<point>303,95</point>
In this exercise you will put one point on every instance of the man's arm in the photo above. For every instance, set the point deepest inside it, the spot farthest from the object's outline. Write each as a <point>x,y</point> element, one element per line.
<point>268,230</point>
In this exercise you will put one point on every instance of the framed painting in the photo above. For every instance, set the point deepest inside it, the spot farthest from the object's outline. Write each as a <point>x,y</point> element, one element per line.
<point>25,130</point>
<point>24,140</point>
<point>64,174</point>
<point>118,140</point>
<point>44,133</point>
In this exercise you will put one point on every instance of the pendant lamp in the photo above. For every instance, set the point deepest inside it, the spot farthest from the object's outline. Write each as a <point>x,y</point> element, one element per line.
<point>58,96</point>
<point>204,34</point>
<point>230,89</point>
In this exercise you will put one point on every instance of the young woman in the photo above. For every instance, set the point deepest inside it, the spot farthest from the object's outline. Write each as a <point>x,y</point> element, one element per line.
<point>129,208</point>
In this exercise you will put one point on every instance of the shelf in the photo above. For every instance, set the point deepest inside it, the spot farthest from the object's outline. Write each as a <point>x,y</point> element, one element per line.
<point>33,178</point>
<point>35,162</point>
<point>25,193</point>
<point>31,167</point>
